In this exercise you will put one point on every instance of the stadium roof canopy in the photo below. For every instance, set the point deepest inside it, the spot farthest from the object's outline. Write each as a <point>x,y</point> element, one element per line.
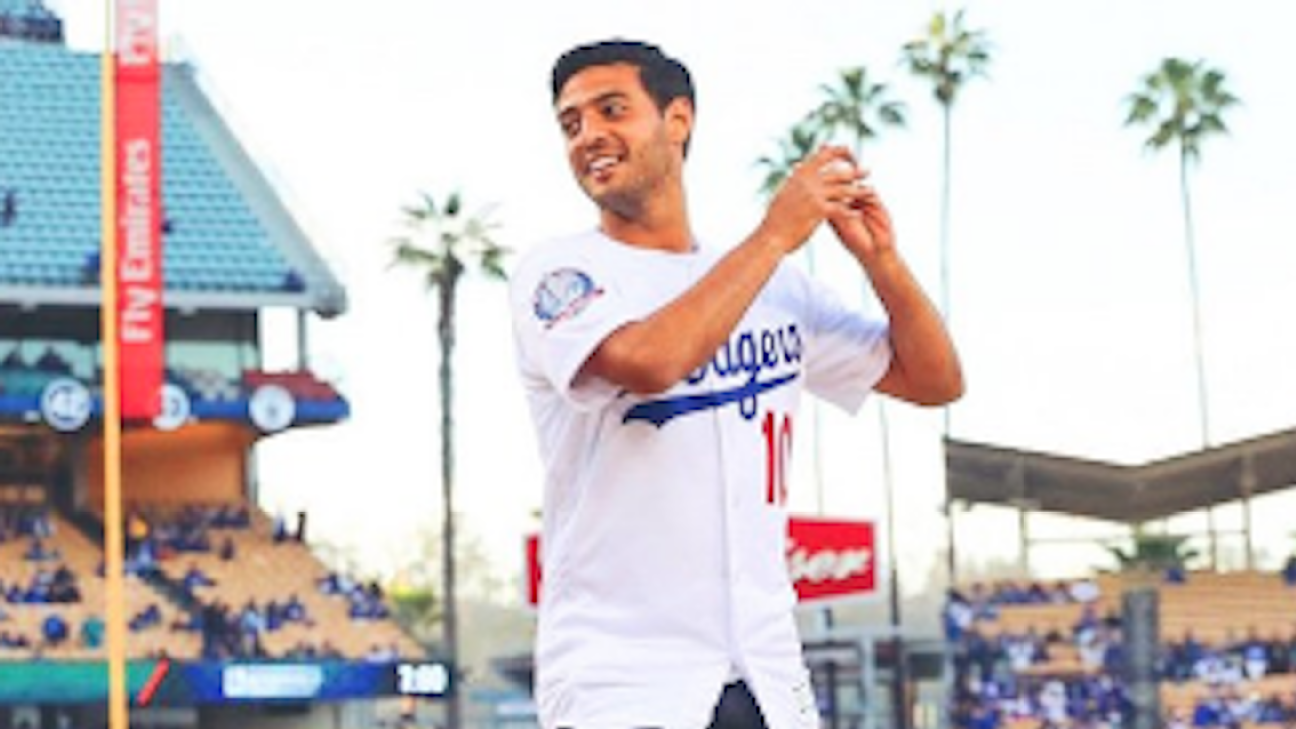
<point>986,474</point>
<point>229,240</point>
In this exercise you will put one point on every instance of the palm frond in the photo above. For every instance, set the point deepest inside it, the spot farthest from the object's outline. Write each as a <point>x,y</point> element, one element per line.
<point>1164,135</point>
<point>412,256</point>
<point>855,106</point>
<point>802,139</point>
<point>442,238</point>
<point>1213,123</point>
<point>492,262</point>
<point>895,114</point>
<point>1142,108</point>
<point>1153,552</point>
<point>948,54</point>
<point>1183,101</point>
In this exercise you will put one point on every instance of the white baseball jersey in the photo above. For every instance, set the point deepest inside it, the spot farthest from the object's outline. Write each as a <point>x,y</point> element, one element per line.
<point>665,524</point>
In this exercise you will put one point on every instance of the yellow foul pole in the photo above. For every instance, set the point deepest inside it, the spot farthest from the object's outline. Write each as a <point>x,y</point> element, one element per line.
<point>115,622</point>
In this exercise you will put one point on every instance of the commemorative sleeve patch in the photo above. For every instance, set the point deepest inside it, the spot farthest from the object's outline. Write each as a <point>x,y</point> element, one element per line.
<point>563,294</point>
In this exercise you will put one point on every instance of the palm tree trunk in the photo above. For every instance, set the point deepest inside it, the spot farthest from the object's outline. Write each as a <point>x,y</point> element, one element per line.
<point>1199,350</point>
<point>888,486</point>
<point>900,684</point>
<point>945,216</point>
<point>951,555</point>
<point>901,680</point>
<point>450,613</point>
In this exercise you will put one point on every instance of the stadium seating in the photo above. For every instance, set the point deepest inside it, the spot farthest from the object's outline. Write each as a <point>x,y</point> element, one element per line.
<point>49,109</point>
<point>84,559</point>
<point>267,569</point>
<point>1219,609</point>
<point>264,569</point>
<point>1209,603</point>
<point>1217,606</point>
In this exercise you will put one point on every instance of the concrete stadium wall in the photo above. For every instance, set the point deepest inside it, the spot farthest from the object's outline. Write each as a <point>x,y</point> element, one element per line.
<point>205,462</point>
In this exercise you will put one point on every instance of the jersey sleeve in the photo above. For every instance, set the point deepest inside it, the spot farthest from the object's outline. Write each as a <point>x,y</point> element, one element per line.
<point>847,352</point>
<point>563,308</point>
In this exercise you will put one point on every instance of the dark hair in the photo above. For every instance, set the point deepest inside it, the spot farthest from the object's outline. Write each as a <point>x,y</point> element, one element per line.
<point>664,78</point>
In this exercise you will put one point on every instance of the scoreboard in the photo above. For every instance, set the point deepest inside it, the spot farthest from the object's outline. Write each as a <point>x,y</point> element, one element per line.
<point>188,683</point>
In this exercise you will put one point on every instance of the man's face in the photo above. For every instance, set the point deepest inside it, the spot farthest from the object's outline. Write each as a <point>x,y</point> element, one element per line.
<point>621,148</point>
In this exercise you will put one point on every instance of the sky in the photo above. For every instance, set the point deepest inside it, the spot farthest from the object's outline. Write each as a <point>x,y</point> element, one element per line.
<point>1069,285</point>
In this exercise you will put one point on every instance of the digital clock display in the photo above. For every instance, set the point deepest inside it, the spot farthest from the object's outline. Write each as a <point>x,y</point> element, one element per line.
<point>429,679</point>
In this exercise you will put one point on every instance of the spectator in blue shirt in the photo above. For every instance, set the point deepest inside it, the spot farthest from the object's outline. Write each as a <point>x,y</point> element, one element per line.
<point>195,577</point>
<point>55,630</point>
<point>92,631</point>
<point>227,549</point>
<point>38,552</point>
<point>146,618</point>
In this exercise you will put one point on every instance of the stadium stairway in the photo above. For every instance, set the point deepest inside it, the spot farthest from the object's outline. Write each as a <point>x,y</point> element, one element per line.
<point>172,590</point>
<point>89,526</point>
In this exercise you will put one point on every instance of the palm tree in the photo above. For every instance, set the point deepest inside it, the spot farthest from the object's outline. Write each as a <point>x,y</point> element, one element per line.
<point>441,244</point>
<point>948,55</point>
<point>1151,553</point>
<point>857,107</point>
<point>801,140</point>
<point>1184,103</point>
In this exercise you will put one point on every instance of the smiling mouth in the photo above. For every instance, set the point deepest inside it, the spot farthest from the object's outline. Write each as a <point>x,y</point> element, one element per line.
<point>600,168</point>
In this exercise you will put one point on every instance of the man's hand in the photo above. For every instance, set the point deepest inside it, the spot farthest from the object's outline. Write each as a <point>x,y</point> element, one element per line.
<point>864,225</point>
<point>821,186</point>
<point>924,367</point>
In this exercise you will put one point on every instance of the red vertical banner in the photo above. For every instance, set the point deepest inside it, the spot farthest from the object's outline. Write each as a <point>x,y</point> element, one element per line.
<point>139,208</point>
<point>533,569</point>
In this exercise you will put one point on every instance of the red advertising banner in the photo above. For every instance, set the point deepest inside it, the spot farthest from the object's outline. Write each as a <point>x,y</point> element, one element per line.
<point>827,559</point>
<point>139,207</point>
<point>831,558</point>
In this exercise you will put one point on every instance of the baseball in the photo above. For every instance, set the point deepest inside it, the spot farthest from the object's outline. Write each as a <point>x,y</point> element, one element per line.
<point>837,166</point>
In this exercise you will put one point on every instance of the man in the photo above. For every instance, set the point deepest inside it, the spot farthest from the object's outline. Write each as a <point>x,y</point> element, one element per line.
<point>663,379</point>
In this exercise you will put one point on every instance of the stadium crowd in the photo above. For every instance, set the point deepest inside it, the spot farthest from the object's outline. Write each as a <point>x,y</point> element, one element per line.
<point>155,537</point>
<point>1003,677</point>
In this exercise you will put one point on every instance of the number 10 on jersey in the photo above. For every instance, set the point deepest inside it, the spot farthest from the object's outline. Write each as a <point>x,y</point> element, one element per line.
<point>778,452</point>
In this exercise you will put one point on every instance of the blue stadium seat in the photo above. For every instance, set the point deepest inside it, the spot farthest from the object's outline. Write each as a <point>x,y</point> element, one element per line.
<point>49,154</point>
